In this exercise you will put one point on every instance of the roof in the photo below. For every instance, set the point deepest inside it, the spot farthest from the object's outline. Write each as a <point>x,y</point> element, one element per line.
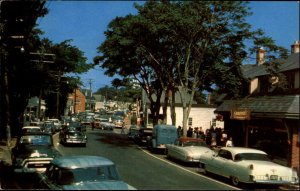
<point>237,150</point>
<point>254,70</point>
<point>286,106</point>
<point>162,98</point>
<point>81,161</point>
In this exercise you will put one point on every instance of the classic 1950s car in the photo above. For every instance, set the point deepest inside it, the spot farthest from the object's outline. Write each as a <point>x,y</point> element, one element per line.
<point>33,152</point>
<point>188,149</point>
<point>247,165</point>
<point>81,172</point>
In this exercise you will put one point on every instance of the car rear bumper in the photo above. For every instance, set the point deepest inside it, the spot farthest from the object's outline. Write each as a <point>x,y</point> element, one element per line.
<point>75,141</point>
<point>33,165</point>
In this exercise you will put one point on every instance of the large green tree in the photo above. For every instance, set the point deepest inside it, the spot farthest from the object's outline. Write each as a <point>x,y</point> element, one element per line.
<point>186,46</point>
<point>18,20</point>
<point>28,67</point>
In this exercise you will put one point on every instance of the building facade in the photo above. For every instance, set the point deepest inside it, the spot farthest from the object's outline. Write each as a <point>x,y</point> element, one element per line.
<point>76,102</point>
<point>268,118</point>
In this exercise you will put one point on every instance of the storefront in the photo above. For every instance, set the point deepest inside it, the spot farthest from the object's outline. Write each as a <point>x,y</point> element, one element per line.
<point>269,123</point>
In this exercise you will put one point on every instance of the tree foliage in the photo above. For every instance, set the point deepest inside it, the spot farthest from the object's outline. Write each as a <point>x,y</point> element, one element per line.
<point>184,46</point>
<point>32,72</point>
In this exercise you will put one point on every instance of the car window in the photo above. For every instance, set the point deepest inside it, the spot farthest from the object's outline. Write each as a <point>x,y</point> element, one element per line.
<point>252,156</point>
<point>225,154</point>
<point>70,176</point>
<point>36,140</point>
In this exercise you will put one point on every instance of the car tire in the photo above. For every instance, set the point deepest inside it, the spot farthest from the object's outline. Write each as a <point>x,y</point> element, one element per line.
<point>202,168</point>
<point>166,153</point>
<point>235,181</point>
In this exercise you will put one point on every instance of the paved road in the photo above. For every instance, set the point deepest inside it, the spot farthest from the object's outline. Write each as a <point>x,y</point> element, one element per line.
<point>137,166</point>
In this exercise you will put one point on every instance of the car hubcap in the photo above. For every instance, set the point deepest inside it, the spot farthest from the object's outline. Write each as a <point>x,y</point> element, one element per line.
<point>235,181</point>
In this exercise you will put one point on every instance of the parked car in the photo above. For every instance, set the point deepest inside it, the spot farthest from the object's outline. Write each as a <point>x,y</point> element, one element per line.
<point>33,152</point>
<point>247,165</point>
<point>87,121</point>
<point>81,173</point>
<point>49,127</point>
<point>57,124</point>
<point>28,129</point>
<point>188,149</point>
<point>133,132</point>
<point>162,135</point>
<point>76,125</point>
<point>72,136</point>
<point>142,135</point>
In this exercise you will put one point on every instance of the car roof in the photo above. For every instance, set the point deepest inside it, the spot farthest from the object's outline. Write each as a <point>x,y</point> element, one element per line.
<point>31,127</point>
<point>81,161</point>
<point>185,139</point>
<point>238,150</point>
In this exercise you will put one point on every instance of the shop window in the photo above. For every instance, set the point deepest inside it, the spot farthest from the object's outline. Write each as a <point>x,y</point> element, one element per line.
<point>190,121</point>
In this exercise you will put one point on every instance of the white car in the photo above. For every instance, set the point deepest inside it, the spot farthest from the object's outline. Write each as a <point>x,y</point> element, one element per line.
<point>187,149</point>
<point>27,129</point>
<point>247,165</point>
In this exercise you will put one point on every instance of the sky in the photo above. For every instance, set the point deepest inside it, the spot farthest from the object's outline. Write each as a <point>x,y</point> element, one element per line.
<point>86,21</point>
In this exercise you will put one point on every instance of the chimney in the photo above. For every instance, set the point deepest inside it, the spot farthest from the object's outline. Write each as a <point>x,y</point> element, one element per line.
<point>261,56</point>
<point>295,47</point>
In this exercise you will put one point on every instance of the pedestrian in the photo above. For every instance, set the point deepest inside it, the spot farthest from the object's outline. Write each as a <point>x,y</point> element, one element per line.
<point>93,125</point>
<point>229,142</point>
<point>201,134</point>
<point>196,132</point>
<point>208,137</point>
<point>179,129</point>
<point>213,143</point>
<point>218,136</point>
<point>123,129</point>
<point>223,137</point>
<point>190,132</point>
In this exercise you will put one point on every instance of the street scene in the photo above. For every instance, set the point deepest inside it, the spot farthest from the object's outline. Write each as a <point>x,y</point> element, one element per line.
<point>149,95</point>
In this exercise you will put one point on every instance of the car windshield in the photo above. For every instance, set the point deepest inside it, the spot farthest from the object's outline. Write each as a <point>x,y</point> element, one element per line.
<point>193,143</point>
<point>104,173</point>
<point>36,140</point>
<point>252,156</point>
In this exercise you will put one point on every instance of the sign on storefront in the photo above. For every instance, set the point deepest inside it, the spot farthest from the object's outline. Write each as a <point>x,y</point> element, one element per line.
<point>240,114</point>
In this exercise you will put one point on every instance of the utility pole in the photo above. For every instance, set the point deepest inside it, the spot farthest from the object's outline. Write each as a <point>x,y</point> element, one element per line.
<point>90,101</point>
<point>40,61</point>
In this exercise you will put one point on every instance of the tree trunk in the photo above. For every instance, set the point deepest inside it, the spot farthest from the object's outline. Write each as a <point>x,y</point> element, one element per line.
<point>7,112</point>
<point>165,106</point>
<point>172,107</point>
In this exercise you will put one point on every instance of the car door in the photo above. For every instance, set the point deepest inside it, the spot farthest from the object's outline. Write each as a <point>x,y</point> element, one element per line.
<point>228,165</point>
<point>173,149</point>
<point>218,162</point>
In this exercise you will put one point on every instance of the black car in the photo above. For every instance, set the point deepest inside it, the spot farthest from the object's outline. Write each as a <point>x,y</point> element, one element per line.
<point>143,133</point>
<point>33,152</point>
<point>72,136</point>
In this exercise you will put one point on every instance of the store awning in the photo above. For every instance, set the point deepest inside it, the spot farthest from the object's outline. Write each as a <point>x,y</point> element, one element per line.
<point>286,106</point>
